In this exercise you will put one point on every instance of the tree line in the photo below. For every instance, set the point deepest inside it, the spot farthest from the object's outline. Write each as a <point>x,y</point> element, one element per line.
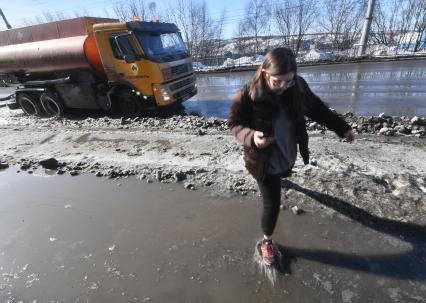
<point>291,21</point>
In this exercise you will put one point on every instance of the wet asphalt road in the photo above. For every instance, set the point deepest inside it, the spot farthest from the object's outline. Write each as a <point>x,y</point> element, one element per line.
<point>88,239</point>
<point>396,88</point>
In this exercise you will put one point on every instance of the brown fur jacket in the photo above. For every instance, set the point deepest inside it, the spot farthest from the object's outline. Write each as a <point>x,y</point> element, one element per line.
<point>247,116</point>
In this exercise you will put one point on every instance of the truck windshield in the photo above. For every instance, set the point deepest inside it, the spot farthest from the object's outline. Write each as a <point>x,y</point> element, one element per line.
<point>162,47</point>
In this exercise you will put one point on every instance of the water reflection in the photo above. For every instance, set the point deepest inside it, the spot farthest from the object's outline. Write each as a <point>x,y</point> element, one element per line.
<point>396,88</point>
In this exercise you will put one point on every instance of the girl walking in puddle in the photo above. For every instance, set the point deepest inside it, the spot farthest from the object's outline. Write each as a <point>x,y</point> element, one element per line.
<point>268,117</point>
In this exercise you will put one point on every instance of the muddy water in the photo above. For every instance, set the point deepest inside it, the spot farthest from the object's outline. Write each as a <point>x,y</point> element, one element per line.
<point>85,239</point>
<point>395,88</point>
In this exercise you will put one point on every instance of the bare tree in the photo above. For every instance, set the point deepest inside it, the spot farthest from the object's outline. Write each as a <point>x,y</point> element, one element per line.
<point>258,14</point>
<point>219,27</point>
<point>180,14</point>
<point>51,16</point>
<point>120,11</point>
<point>342,19</point>
<point>200,31</point>
<point>128,10</point>
<point>419,14</point>
<point>137,9</point>
<point>152,10</point>
<point>294,19</point>
<point>45,17</point>
<point>285,21</point>
<point>240,38</point>
<point>404,23</point>
<point>207,31</point>
<point>384,22</point>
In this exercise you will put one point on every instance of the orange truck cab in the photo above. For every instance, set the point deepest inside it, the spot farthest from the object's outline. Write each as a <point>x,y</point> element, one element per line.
<point>97,63</point>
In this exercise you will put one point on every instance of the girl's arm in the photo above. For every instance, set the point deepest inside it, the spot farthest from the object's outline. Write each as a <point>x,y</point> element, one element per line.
<point>239,119</point>
<point>319,112</point>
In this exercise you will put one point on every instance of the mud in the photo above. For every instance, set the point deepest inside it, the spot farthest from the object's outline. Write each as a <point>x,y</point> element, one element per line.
<point>381,173</point>
<point>88,239</point>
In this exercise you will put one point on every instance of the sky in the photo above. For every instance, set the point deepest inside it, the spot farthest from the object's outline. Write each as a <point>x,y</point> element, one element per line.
<point>17,10</point>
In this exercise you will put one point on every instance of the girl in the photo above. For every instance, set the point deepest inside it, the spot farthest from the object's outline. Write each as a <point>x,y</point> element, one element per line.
<point>268,118</point>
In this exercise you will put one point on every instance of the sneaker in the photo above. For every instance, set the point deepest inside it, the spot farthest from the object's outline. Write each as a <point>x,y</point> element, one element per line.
<point>269,251</point>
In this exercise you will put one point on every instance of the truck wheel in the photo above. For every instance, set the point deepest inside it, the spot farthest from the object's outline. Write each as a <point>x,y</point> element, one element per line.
<point>129,104</point>
<point>52,105</point>
<point>28,104</point>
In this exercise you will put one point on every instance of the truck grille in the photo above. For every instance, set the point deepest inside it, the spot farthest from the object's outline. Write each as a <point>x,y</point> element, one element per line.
<point>183,93</point>
<point>181,84</point>
<point>181,69</point>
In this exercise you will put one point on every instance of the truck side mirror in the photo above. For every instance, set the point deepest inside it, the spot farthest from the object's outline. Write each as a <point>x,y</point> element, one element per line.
<point>130,58</point>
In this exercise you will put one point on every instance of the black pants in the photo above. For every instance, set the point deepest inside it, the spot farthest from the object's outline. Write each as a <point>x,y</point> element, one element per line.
<point>271,195</point>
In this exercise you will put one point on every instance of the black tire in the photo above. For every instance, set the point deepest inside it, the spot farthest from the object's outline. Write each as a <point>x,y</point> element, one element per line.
<point>28,104</point>
<point>128,104</point>
<point>52,105</point>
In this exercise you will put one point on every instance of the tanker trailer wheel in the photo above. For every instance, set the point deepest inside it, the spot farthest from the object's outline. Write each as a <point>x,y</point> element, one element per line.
<point>28,104</point>
<point>52,105</point>
<point>128,104</point>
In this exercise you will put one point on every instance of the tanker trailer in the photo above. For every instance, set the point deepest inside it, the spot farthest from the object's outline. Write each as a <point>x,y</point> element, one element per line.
<point>96,63</point>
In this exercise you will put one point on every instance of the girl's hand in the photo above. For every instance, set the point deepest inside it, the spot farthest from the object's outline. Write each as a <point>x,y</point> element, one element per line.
<point>260,140</point>
<point>349,136</point>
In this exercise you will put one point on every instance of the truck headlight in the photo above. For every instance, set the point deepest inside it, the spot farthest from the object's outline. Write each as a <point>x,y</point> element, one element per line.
<point>165,94</point>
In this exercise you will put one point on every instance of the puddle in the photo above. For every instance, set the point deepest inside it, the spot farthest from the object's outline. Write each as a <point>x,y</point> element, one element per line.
<point>85,238</point>
<point>395,88</point>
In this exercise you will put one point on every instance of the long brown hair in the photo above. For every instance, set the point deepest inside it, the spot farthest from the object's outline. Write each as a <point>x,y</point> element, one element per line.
<point>278,61</point>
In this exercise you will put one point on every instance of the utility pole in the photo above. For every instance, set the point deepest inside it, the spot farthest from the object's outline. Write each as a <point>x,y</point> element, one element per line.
<point>5,20</point>
<point>366,28</point>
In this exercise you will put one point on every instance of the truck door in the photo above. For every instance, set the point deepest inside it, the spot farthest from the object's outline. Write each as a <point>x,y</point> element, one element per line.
<point>126,58</point>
